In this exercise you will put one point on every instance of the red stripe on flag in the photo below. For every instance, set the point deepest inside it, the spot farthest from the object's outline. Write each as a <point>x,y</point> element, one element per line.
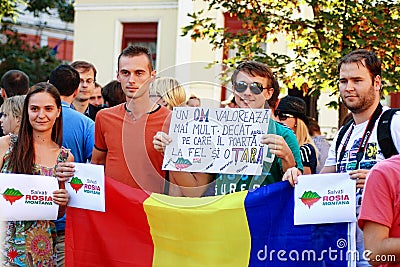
<point>118,237</point>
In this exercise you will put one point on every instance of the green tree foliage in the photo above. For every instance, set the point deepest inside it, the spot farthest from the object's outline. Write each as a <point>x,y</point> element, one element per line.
<point>335,28</point>
<point>8,8</point>
<point>15,52</point>
<point>35,61</point>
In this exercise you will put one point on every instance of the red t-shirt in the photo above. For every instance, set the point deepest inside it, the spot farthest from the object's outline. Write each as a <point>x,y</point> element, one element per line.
<point>131,157</point>
<point>381,200</point>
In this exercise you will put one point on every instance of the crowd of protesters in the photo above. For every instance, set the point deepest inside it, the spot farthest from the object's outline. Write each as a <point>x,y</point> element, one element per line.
<point>124,126</point>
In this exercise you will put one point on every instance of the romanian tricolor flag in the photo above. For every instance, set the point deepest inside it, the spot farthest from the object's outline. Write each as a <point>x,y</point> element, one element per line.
<point>241,229</point>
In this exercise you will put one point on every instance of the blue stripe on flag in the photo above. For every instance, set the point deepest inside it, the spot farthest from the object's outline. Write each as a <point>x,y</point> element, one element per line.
<point>277,242</point>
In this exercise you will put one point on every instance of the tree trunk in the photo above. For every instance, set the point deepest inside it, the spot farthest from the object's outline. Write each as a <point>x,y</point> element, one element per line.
<point>343,111</point>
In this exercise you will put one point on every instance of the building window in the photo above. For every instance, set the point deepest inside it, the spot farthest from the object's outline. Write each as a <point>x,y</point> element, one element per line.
<point>141,34</point>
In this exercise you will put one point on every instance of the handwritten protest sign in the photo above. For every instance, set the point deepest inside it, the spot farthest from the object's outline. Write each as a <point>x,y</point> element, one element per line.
<point>325,198</point>
<point>86,188</point>
<point>217,140</point>
<point>27,197</point>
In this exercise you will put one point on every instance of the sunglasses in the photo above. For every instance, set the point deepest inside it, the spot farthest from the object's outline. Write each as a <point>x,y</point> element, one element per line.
<point>282,116</point>
<point>255,87</point>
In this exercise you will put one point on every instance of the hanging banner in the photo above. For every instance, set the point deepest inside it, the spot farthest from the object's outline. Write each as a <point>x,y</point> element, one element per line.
<point>217,140</point>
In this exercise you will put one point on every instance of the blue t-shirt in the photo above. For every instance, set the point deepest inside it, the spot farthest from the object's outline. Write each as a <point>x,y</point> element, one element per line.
<point>78,135</point>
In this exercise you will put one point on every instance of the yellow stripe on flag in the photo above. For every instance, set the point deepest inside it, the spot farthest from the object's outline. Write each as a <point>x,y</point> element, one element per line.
<point>209,231</point>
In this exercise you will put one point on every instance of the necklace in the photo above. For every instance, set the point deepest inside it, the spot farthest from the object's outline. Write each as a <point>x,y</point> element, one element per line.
<point>133,116</point>
<point>130,113</point>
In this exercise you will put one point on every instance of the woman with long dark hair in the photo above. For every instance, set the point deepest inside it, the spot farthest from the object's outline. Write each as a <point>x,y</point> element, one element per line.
<point>36,150</point>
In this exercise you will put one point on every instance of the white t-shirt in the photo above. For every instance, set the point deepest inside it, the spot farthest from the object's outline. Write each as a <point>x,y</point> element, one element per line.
<point>373,153</point>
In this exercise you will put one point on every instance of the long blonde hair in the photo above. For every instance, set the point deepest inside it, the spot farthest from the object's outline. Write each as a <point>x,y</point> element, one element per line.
<point>169,90</point>
<point>13,106</point>
<point>303,136</point>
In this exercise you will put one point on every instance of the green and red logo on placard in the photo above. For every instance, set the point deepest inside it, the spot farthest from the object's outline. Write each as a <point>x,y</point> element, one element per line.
<point>76,184</point>
<point>182,163</point>
<point>11,195</point>
<point>309,198</point>
<point>90,187</point>
<point>35,197</point>
<point>334,197</point>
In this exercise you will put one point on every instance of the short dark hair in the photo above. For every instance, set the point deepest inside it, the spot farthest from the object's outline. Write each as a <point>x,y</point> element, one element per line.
<point>255,68</point>
<point>133,51</point>
<point>15,82</point>
<point>112,93</point>
<point>84,65</point>
<point>65,78</point>
<point>359,56</point>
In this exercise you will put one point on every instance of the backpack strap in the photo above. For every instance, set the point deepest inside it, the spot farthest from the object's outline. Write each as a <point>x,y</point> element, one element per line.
<point>341,133</point>
<point>385,140</point>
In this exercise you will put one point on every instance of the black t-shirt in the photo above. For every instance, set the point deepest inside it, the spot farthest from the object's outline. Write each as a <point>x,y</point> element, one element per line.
<point>309,157</point>
<point>91,111</point>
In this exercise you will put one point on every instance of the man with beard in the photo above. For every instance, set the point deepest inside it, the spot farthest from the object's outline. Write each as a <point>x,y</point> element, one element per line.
<point>359,85</point>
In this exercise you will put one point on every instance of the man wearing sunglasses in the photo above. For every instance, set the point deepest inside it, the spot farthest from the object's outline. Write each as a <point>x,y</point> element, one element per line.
<point>253,87</point>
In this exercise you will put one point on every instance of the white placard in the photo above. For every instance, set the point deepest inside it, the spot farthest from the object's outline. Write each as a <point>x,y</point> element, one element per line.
<point>325,198</point>
<point>86,188</point>
<point>27,197</point>
<point>217,140</point>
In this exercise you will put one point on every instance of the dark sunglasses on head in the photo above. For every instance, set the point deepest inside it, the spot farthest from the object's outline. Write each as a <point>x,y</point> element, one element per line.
<point>282,116</point>
<point>255,87</point>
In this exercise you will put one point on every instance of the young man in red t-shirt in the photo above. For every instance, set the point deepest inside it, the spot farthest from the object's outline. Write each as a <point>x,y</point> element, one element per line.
<point>124,133</point>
